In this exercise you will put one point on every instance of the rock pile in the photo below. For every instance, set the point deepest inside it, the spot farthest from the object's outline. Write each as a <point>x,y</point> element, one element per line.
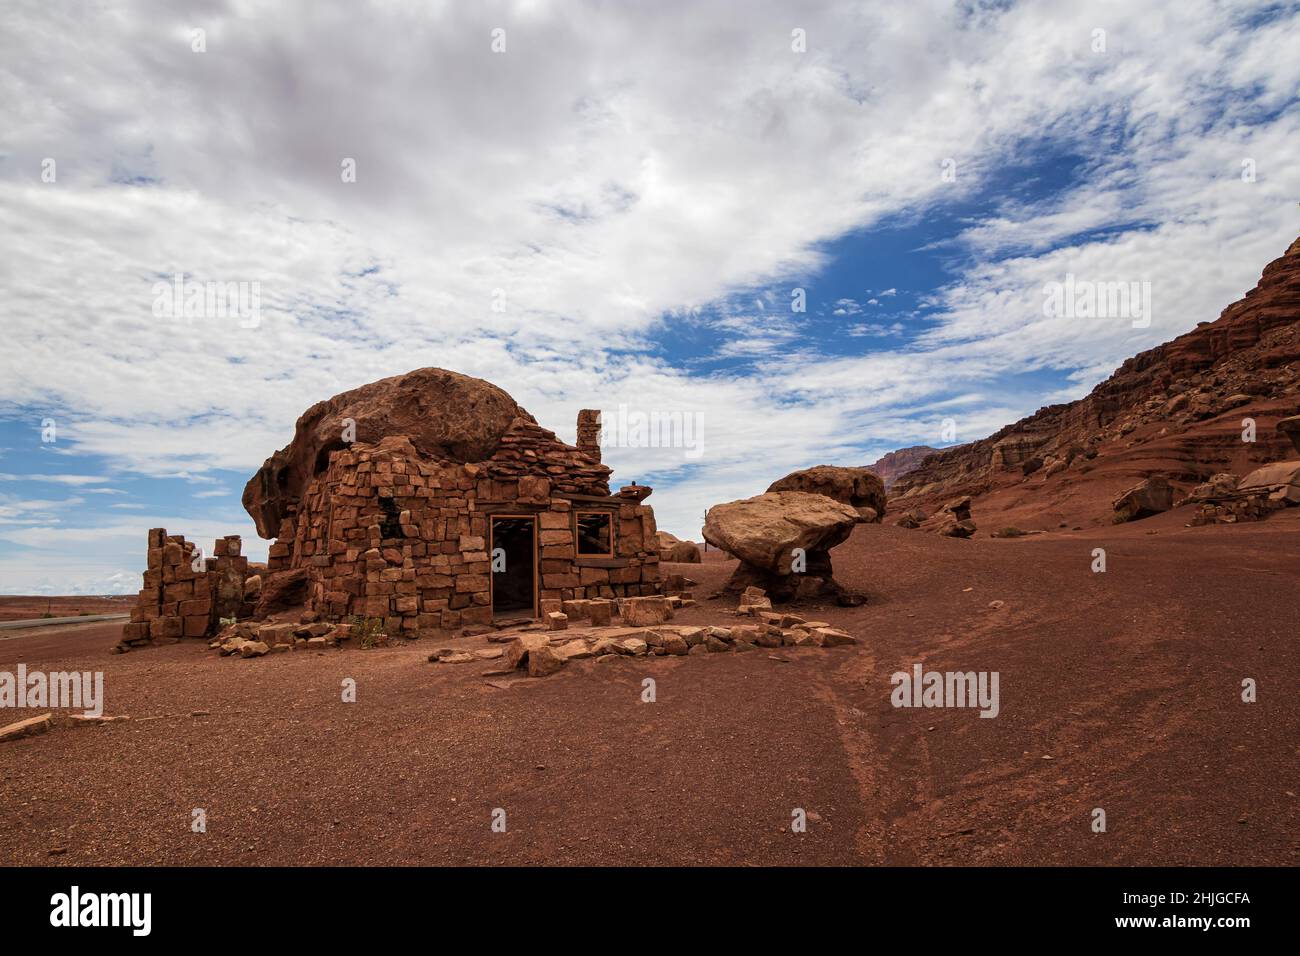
<point>1227,500</point>
<point>953,520</point>
<point>539,655</point>
<point>249,639</point>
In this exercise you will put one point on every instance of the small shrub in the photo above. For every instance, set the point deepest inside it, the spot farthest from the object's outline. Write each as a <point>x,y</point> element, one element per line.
<point>369,631</point>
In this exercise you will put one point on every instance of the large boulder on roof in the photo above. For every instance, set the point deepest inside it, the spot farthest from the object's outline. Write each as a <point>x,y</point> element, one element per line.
<point>859,488</point>
<point>446,415</point>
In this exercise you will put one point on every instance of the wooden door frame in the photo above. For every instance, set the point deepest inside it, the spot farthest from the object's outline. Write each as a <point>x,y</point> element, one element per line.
<point>492,584</point>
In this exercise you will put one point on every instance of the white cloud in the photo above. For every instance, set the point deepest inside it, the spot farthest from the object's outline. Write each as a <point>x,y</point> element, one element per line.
<point>75,480</point>
<point>613,180</point>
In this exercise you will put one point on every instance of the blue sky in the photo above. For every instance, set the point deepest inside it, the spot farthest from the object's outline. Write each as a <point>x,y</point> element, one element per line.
<point>607,213</point>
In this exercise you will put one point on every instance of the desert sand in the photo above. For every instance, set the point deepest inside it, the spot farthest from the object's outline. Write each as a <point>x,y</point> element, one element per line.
<point>1119,690</point>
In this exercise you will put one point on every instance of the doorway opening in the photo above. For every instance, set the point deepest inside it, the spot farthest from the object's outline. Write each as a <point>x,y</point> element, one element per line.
<point>513,550</point>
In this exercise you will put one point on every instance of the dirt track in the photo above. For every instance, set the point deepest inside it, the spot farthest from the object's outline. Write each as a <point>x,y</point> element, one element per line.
<point>1118,690</point>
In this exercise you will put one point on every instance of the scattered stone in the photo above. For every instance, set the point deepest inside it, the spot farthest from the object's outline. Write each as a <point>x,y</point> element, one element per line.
<point>599,611</point>
<point>543,661</point>
<point>644,611</point>
<point>29,727</point>
<point>517,651</point>
<point>675,644</point>
<point>911,519</point>
<point>254,649</point>
<point>574,650</point>
<point>557,621</point>
<point>953,520</point>
<point>830,637</point>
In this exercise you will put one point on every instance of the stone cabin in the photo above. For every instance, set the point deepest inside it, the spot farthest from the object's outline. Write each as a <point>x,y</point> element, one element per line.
<point>450,506</point>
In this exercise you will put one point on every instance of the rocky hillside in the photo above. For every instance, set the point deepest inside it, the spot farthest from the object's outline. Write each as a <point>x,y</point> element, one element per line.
<point>899,463</point>
<point>1176,410</point>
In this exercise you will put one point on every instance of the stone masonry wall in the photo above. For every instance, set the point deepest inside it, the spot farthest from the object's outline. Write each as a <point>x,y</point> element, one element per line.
<point>385,533</point>
<point>178,601</point>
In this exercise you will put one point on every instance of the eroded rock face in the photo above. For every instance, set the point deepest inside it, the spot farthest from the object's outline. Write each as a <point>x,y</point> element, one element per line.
<point>764,533</point>
<point>446,415</point>
<point>856,487</point>
<point>898,463</point>
<point>1174,408</point>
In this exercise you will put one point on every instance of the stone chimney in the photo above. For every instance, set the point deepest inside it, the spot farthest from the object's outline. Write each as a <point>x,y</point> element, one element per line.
<point>589,433</point>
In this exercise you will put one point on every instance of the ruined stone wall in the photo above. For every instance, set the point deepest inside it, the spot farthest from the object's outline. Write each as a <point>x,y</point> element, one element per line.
<point>385,533</point>
<point>177,600</point>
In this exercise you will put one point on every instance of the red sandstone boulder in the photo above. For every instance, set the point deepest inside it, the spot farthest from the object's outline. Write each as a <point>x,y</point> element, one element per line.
<point>1218,487</point>
<point>445,415</point>
<point>953,520</point>
<point>1280,481</point>
<point>783,540</point>
<point>765,530</point>
<point>858,488</point>
<point>672,548</point>
<point>1146,498</point>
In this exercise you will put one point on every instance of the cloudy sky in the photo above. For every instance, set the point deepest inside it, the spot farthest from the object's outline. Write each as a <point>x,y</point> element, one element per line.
<point>597,205</point>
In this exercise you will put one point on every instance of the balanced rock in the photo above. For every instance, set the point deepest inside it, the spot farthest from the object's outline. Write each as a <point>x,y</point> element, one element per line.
<point>783,541</point>
<point>860,489</point>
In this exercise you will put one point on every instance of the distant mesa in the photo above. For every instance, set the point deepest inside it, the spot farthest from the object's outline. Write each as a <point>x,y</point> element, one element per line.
<point>898,463</point>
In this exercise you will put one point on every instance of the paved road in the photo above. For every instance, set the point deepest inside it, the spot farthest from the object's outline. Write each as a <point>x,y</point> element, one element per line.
<point>50,621</point>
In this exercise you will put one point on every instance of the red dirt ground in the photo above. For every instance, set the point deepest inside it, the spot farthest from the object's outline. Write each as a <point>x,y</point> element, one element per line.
<point>1118,690</point>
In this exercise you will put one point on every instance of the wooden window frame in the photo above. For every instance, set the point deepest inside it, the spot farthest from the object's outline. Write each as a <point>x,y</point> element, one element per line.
<point>578,553</point>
